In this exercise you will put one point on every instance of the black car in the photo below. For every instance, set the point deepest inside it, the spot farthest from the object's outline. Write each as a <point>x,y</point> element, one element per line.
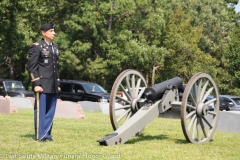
<point>229,103</point>
<point>76,90</point>
<point>13,88</point>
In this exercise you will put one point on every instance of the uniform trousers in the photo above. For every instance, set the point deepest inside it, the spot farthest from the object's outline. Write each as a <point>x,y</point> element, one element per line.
<point>47,107</point>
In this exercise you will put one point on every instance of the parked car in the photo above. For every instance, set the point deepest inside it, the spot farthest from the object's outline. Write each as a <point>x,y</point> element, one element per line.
<point>13,88</point>
<point>76,90</point>
<point>229,103</point>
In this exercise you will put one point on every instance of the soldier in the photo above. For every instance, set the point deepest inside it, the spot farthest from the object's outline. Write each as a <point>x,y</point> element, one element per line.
<point>43,63</point>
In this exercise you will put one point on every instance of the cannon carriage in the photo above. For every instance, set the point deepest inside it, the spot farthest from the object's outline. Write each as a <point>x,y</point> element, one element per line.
<point>143,104</point>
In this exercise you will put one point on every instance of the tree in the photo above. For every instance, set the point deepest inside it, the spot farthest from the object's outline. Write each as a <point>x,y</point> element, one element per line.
<point>217,27</point>
<point>185,58</point>
<point>111,37</point>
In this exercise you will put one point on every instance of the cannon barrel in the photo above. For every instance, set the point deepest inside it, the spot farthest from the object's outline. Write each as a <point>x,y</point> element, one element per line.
<point>157,90</point>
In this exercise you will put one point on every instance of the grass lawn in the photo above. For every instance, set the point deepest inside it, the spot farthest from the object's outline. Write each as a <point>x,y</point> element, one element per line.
<point>162,139</point>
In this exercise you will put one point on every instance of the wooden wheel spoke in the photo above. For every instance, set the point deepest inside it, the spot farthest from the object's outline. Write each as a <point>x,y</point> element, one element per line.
<point>191,107</point>
<point>207,94</point>
<point>203,90</point>
<point>128,116</point>
<point>121,86</point>
<point>199,90</point>
<point>138,83</point>
<point>194,128</point>
<point>122,107</point>
<point>128,85</point>
<point>125,100</point>
<point>194,96</point>
<point>210,101</point>
<point>198,130</point>
<point>190,114</point>
<point>123,115</point>
<point>140,93</point>
<point>125,92</point>
<point>212,113</point>
<point>203,128</point>
<point>192,99</point>
<point>134,92</point>
<point>191,122</point>
<point>209,124</point>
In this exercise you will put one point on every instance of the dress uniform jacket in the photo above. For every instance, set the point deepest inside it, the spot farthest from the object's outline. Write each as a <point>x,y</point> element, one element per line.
<point>43,66</point>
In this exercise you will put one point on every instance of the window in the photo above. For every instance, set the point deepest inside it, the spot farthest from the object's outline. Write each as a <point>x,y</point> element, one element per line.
<point>93,88</point>
<point>76,88</point>
<point>66,88</point>
<point>13,85</point>
<point>236,100</point>
<point>227,100</point>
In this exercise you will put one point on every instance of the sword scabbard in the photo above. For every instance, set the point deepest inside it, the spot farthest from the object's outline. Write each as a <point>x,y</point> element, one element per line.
<point>37,100</point>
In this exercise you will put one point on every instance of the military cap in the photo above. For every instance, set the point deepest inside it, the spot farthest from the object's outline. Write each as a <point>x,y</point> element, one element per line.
<point>46,27</point>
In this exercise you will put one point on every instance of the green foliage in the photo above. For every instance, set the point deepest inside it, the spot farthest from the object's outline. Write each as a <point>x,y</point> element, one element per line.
<point>99,39</point>
<point>185,58</point>
<point>233,62</point>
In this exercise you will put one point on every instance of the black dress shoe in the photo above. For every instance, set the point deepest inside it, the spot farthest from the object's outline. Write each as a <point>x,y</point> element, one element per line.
<point>42,140</point>
<point>49,139</point>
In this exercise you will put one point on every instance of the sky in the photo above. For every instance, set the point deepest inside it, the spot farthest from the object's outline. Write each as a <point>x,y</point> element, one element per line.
<point>237,7</point>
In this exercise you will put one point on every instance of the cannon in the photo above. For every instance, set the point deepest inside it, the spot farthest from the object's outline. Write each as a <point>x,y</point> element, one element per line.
<point>143,104</point>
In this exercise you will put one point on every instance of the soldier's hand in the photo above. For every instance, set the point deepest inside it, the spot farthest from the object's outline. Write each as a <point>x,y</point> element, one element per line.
<point>59,89</point>
<point>38,89</point>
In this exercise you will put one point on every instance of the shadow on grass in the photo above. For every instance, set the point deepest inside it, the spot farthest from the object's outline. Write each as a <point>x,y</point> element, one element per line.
<point>146,138</point>
<point>181,141</point>
<point>184,141</point>
<point>142,137</point>
<point>29,136</point>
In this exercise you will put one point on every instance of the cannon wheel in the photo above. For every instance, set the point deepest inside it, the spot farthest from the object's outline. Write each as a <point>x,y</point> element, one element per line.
<point>128,82</point>
<point>198,121</point>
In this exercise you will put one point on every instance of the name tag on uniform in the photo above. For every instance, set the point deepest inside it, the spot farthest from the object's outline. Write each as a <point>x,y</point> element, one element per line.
<point>45,60</point>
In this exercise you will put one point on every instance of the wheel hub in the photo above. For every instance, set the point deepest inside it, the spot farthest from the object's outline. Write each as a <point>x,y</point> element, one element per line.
<point>201,110</point>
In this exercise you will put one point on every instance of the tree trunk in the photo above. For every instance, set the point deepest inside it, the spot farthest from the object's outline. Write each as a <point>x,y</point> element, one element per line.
<point>153,73</point>
<point>12,73</point>
<point>110,19</point>
<point>147,79</point>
